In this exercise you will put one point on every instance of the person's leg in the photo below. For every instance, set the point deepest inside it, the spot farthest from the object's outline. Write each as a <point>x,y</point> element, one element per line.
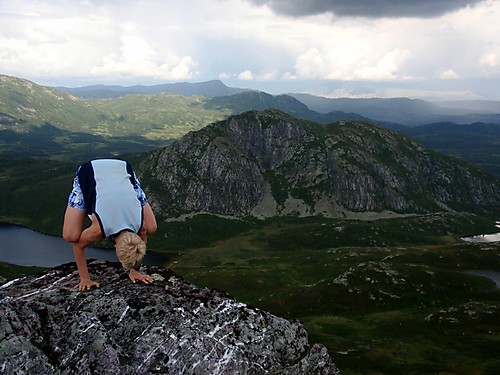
<point>74,219</point>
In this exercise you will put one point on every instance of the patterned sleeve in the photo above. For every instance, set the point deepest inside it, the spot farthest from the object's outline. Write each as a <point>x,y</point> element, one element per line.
<point>140,193</point>
<point>75,198</point>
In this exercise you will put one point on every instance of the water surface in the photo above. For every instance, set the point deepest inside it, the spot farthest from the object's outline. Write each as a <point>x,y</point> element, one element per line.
<point>493,275</point>
<point>495,237</point>
<point>25,247</point>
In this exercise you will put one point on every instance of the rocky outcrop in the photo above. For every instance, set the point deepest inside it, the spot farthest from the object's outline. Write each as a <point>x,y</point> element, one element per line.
<point>269,163</point>
<point>168,327</point>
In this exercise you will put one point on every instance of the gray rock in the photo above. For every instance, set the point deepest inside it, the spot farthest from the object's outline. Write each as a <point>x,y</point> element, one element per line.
<point>169,327</point>
<point>268,164</point>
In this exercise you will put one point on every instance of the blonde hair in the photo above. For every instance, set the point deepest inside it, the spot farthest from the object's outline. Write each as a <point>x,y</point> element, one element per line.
<point>130,249</point>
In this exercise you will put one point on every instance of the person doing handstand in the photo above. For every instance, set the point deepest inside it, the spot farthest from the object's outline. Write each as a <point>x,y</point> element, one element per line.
<point>108,191</point>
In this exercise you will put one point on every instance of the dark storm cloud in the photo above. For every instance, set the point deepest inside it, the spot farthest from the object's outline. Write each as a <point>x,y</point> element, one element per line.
<point>366,8</point>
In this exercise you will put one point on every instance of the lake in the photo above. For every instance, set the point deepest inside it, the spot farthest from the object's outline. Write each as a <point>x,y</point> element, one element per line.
<point>25,247</point>
<point>495,237</point>
<point>493,275</point>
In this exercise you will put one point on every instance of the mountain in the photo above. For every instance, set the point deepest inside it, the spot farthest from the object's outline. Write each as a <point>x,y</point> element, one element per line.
<point>211,89</point>
<point>259,101</point>
<point>152,116</point>
<point>30,115</point>
<point>477,142</point>
<point>269,163</point>
<point>405,111</point>
<point>23,102</point>
<point>162,116</point>
<point>169,327</point>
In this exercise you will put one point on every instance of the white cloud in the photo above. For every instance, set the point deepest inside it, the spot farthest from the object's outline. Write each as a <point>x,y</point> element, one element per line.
<point>136,57</point>
<point>490,62</point>
<point>246,75</point>
<point>386,68</point>
<point>449,74</point>
<point>115,41</point>
<point>81,39</point>
<point>267,76</point>
<point>414,93</point>
<point>224,76</point>
<point>310,65</point>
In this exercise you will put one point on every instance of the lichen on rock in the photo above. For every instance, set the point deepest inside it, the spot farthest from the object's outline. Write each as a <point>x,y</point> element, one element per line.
<point>168,327</point>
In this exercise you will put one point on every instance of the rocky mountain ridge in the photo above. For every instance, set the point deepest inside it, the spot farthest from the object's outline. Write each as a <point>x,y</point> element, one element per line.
<point>269,163</point>
<point>169,327</point>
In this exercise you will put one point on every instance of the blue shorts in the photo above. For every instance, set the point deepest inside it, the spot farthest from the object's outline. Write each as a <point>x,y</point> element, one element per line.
<point>75,198</point>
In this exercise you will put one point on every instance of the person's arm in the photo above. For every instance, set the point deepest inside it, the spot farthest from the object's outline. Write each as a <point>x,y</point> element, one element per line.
<point>135,276</point>
<point>149,224</point>
<point>88,236</point>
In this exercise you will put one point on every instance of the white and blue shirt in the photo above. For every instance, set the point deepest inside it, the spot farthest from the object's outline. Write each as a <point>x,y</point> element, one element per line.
<point>109,189</point>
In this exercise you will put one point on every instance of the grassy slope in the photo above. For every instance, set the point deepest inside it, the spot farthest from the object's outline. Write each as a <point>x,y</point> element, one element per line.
<point>34,193</point>
<point>477,143</point>
<point>404,307</point>
<point>162,116</point>
<point>12,271</point>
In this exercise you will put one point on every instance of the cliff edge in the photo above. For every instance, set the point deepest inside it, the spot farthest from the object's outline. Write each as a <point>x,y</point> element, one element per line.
<point>169,327</point>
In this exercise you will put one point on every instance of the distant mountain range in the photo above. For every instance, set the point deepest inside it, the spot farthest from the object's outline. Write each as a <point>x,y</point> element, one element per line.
<point>404,111</point>
<point>32,116</point>
<point>211,89</point>
<point>269,164</point>
<point>408,112</point>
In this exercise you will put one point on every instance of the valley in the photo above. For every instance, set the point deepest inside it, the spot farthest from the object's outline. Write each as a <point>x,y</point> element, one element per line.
<point>392,296</point>
<point>393,309</point>
<point>377,272</point>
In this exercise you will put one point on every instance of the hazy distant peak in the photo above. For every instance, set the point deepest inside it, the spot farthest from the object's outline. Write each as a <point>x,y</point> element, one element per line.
<point>213,88</point>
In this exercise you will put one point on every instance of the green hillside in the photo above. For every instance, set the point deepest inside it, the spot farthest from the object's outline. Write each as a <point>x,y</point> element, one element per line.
<point>158,116</point>
<point>161,116</point>
<point>34,104</point>
<point>478,143</point>
<point>142,121</point>
<point>386,297</point>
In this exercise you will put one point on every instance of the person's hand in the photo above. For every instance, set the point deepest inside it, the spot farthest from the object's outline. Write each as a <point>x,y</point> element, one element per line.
<point>135,276</point>
<point>86,285</point>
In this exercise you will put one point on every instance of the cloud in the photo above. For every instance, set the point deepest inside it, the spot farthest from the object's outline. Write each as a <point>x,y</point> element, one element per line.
<point>85,40</point>
<point>387,92</point>
<point>382,66</point>
<point>366,8</point>
<point>490,61</point>
<point>257,43</point>
<point>449,74</point>
<point>247,75</point>
<point>137,58</point>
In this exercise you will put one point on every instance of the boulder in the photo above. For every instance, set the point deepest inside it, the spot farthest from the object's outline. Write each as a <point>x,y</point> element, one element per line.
<point>168,327</point>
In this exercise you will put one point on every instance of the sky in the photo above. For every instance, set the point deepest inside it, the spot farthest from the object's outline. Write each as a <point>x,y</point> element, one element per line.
<point>431,49</point>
